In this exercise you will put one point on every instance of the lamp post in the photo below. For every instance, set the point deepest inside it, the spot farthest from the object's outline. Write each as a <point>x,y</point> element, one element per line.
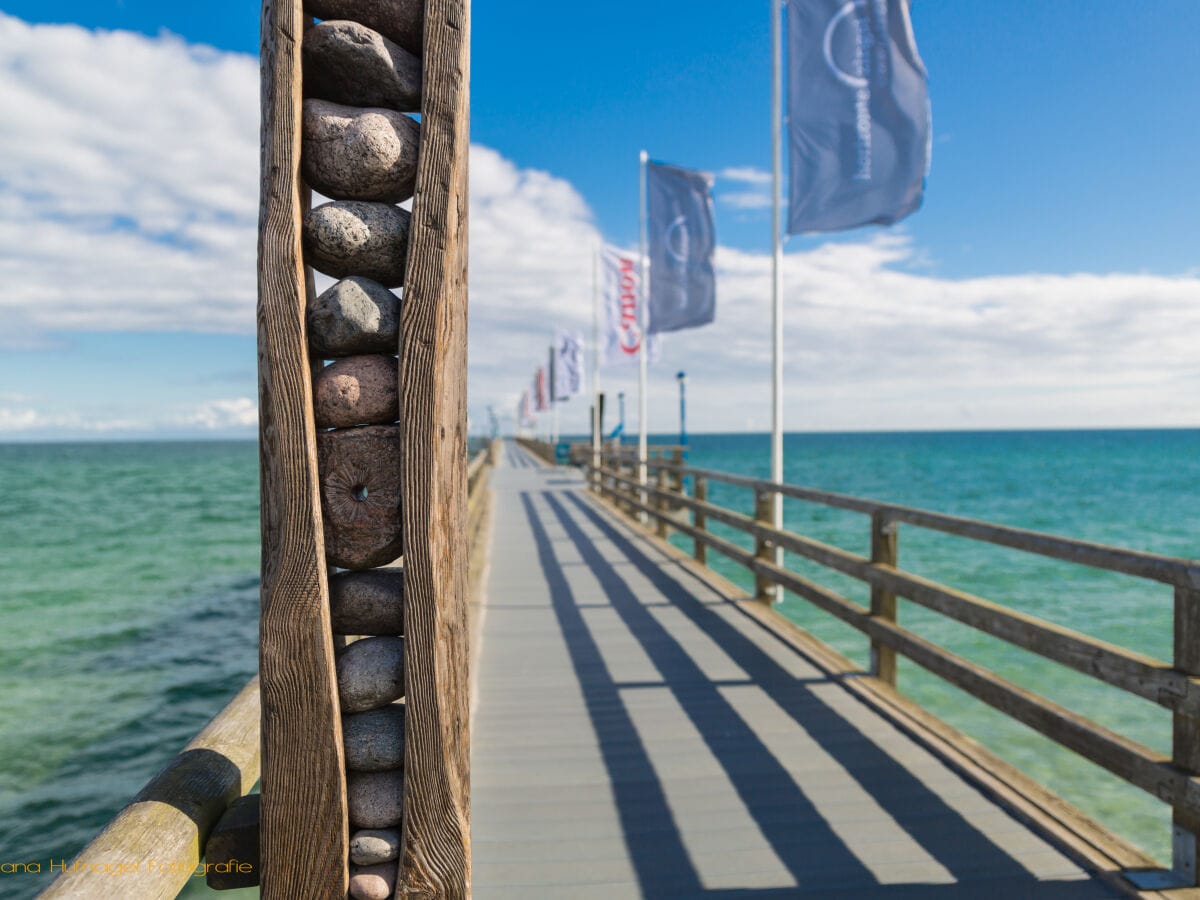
<point>681,377</point>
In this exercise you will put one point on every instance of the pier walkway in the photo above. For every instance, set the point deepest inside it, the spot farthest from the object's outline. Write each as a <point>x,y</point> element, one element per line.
<point>636,733</point>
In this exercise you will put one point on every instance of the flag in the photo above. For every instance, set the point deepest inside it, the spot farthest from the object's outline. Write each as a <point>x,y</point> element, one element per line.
<point>568,365</point>
<point>682,237</point>
<point>524,409</point>
<point>539,389</point>
<point>623,334</point>
<point>858,114</point>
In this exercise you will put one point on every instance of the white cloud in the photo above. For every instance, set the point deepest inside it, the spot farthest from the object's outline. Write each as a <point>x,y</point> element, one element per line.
<point>128,202</point>
<point>220,415</point>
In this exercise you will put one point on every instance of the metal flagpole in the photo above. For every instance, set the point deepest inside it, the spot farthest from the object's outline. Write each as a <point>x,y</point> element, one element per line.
<point>553,395</point>
<point>596,359</point>
<point>777,268</point>
<point>644,300</point>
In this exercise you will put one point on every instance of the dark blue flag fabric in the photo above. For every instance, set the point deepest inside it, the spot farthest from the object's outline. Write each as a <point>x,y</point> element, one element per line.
<point>682,238</point>
<point>858,114</point>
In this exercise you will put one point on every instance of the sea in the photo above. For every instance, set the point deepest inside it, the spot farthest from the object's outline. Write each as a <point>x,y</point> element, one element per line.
<point>129,598</point>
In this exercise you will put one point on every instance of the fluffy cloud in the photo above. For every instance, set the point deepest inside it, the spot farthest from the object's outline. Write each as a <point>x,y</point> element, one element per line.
<point>128,202</point>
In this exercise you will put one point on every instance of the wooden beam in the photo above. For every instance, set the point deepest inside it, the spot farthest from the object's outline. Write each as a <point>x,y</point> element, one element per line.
<point>436,856</point>
<point>304,823</point>
<point>170,818</point>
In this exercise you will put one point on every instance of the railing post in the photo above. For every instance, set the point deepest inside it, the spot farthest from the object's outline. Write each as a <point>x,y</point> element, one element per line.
<point>699,519</point>
<point>764,589</point>
<point>664,504</point>
<point>1186,733</point>
<point>677,459</point>
<point>884,550</point>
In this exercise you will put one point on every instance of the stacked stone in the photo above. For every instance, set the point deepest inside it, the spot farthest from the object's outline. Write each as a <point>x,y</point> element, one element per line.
<point>361,73</point>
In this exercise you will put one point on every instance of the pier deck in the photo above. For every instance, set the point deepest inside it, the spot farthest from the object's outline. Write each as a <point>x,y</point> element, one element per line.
<point>637,734</point>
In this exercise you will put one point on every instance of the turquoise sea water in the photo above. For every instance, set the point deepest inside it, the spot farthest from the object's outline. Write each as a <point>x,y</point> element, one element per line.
<point>129,598</point>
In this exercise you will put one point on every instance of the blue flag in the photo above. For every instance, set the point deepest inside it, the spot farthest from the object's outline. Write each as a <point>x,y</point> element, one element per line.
<point>682,238</point>
<point>858,114</point>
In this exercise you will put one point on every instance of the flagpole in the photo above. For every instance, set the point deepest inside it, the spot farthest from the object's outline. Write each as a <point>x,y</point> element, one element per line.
<point>777,267</point>
<point>643,311</point>
<point>595,358</point>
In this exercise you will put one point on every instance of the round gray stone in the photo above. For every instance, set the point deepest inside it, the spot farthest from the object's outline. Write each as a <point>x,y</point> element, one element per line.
<point>370,602</point>
<point>358,237</point>
<point>373,882</point>
<point>372,846</point>
<point>402,21</point>
<point>374,740</point>
<point>357,390</point>
<point>355,315</point>
<point>375,799</point>
<point>370,674</point>
<point>359,154</point>
<point>359,470</point>
<point>350,63</point>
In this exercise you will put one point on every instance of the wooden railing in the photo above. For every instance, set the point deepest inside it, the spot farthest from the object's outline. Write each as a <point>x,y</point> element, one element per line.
<point>1175,685</point>
<point>161,839</point>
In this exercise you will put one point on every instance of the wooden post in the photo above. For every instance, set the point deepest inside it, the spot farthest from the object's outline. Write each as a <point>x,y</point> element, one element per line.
<point>305,826</point>
<point>884,551</point>
<point>435,859</point>
<point>1186,733</point>
<point>764,589</point>
<point>664,504</point>
<point>699,519</point>
<point>677,459</point>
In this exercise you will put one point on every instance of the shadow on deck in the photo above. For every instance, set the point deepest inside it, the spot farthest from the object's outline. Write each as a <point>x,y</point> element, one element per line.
<point>637,735</point>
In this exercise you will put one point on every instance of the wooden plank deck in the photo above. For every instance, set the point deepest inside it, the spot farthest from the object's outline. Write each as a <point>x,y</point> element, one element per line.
<point>635,734</point>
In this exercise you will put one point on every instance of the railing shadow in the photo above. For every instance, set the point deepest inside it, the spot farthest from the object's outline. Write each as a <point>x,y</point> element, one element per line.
<point>793,826</point>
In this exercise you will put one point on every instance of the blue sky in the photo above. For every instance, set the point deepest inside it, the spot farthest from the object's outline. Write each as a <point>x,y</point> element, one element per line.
<point>1065,136</point>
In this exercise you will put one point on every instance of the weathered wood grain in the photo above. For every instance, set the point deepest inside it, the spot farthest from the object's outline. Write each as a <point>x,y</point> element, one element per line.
<point>435,858</point>
<point>171,817</point>
<point>883,602</point>
<point>1185,751</point>
<point>304,826</point>
<point>231,857</point>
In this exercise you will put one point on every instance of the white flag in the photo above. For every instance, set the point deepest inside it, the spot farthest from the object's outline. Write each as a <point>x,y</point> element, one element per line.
<point>568,365</point>
<point>622,303</point>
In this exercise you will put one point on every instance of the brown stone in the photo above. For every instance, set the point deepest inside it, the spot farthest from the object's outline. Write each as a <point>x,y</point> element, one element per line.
<point>402,21</point>
<point>373,882</point>
<point>346,62</point>
<point>359,154</point>
<point>358,237</point>
<point>370,602</point>
<point>359,469</point>
<point>370,674</point>
<point>358,390</point>
<point>375,799</point>
<point>374,740</point>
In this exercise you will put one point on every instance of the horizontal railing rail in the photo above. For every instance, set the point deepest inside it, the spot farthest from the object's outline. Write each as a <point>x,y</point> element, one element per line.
<point>1175,686</point>
<point>157,842</point>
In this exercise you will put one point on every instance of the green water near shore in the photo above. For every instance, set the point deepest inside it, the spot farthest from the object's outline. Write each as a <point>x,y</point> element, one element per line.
<point>129,598</point>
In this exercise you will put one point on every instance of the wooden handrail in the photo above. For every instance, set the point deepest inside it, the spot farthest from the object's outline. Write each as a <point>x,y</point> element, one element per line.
<point>1167,569</point>
<point>1136,673</point>
<point>154,846</point>
<point>1175,780</point>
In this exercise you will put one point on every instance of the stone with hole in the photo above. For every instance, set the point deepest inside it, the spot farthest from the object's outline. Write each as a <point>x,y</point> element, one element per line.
<point>360,472</point>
